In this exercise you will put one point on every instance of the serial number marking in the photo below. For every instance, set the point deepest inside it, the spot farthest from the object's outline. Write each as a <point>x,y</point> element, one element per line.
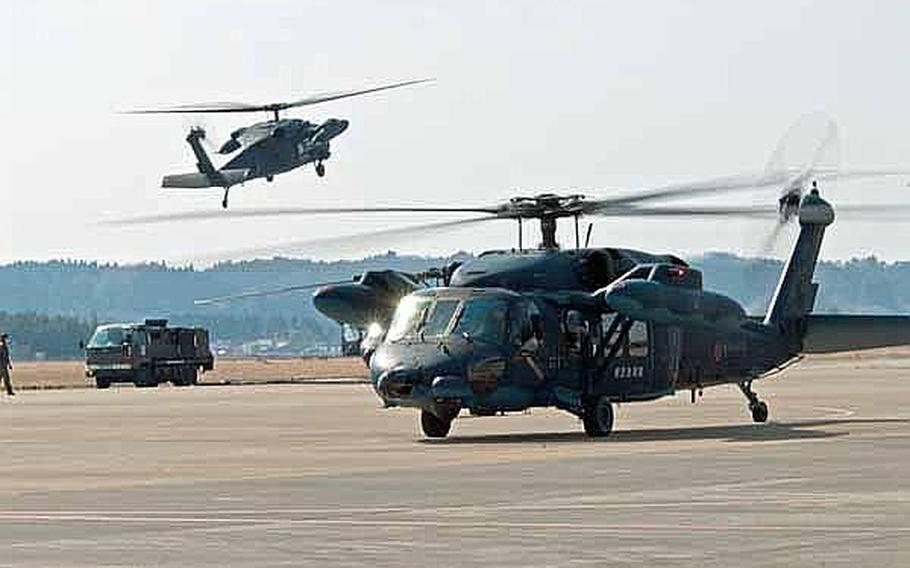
<point>629,372</point>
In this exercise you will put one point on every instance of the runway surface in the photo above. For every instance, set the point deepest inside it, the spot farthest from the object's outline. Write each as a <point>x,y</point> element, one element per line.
<point>319,475</point>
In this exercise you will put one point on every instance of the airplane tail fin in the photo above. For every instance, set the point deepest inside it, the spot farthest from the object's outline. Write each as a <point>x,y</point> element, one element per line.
<point>795,295</point>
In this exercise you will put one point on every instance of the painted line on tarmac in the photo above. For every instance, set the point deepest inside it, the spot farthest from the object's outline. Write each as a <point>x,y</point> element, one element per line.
<point>486,525</point>
<point>835,412</point>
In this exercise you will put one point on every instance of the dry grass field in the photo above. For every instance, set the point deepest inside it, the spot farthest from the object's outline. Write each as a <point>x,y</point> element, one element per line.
<point>71,374</point>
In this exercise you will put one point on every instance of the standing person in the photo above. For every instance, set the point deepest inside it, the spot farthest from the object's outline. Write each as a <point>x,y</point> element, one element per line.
<point>5,364</point>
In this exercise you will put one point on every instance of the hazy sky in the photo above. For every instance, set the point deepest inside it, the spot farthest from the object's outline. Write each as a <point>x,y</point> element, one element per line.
<point>530,96</point>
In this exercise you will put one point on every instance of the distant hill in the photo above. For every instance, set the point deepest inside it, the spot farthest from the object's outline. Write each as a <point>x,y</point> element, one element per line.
<point>859,285</point>
<point>86,292</point>
<point>91,292</point>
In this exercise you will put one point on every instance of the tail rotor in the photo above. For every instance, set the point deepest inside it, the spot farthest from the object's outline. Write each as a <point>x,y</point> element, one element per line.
<point>809,148</point>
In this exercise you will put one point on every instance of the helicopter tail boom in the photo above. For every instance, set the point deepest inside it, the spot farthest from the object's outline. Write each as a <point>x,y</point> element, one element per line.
<point>836,333</point>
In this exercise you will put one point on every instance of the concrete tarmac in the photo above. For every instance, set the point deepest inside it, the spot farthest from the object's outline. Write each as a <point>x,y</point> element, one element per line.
<point>320,475</point>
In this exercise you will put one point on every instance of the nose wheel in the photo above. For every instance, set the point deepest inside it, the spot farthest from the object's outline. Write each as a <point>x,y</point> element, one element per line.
<point>224,202</point>
<point>433,426</point>
<point>757,407</point>
<point>320,169</point>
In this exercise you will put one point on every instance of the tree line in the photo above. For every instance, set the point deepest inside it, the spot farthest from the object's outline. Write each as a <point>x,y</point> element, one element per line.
<point>48,307</point>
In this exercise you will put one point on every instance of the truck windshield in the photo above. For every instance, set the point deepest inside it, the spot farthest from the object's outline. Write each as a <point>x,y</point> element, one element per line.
<point>483,319</point>
<point>108,336</point>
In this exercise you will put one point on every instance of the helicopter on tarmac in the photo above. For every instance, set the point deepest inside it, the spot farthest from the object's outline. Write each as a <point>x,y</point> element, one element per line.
<point>649,333</point>
<point>266,148</point>
<point>584,329</point>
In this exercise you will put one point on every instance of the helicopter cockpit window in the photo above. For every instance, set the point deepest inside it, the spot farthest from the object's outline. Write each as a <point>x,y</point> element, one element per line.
<point>408,317</point>
<point>438,320</point>
<point>483,318</point>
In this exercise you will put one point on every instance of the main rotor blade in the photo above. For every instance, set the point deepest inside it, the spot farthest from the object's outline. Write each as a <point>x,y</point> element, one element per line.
<point>325,97</point>
<point>693,188</point>
<point>758,211</point>
<point>368,237</point>
<point>194,108</point>
<point>215,107</point>
<point>729,184</point>
<point>285,211</point>
<point>689,211</point>
<point>271,292</point>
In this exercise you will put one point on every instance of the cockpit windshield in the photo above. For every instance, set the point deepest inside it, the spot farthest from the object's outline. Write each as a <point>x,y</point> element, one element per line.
<point>483,318</point>
<point>425,317</point>
<point>408,317</point>
<point>438,320</point>
<point>110,336</point>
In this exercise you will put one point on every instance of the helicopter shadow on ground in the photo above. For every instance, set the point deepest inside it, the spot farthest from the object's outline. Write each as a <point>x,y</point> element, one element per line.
<point>773,431</point>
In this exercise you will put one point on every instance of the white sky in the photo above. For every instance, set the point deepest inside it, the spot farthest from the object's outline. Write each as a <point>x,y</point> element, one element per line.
<point>533,95</point>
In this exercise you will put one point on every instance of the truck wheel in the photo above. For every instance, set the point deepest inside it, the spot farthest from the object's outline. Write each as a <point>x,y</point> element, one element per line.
<point>433,426</point>
<point>598,418</point>
<point>146,380</point>
<point>184,377</point>
<point>102,382</point>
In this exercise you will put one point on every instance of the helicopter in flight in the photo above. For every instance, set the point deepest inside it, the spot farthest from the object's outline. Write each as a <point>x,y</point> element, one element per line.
<point>264,149</point>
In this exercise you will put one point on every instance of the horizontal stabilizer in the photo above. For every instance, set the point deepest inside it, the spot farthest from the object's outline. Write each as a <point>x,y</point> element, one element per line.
<point>187,180</point>
<point>224,178</point>
<point>829,334</point>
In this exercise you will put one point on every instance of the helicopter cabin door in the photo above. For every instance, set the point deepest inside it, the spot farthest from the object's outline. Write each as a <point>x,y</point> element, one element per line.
<point>624,358</point>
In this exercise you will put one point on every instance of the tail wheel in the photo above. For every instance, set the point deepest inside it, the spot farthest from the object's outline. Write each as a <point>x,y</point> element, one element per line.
<point>433,426</point>
<point>320,169</point>
<point>598,417</point>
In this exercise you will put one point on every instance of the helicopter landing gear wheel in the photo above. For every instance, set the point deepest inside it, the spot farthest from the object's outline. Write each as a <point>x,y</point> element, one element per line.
<point>433,426</point>
<point>598,417</point>
<point>320,169</point>
<point>757,407</point>
<point>760,412</point>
